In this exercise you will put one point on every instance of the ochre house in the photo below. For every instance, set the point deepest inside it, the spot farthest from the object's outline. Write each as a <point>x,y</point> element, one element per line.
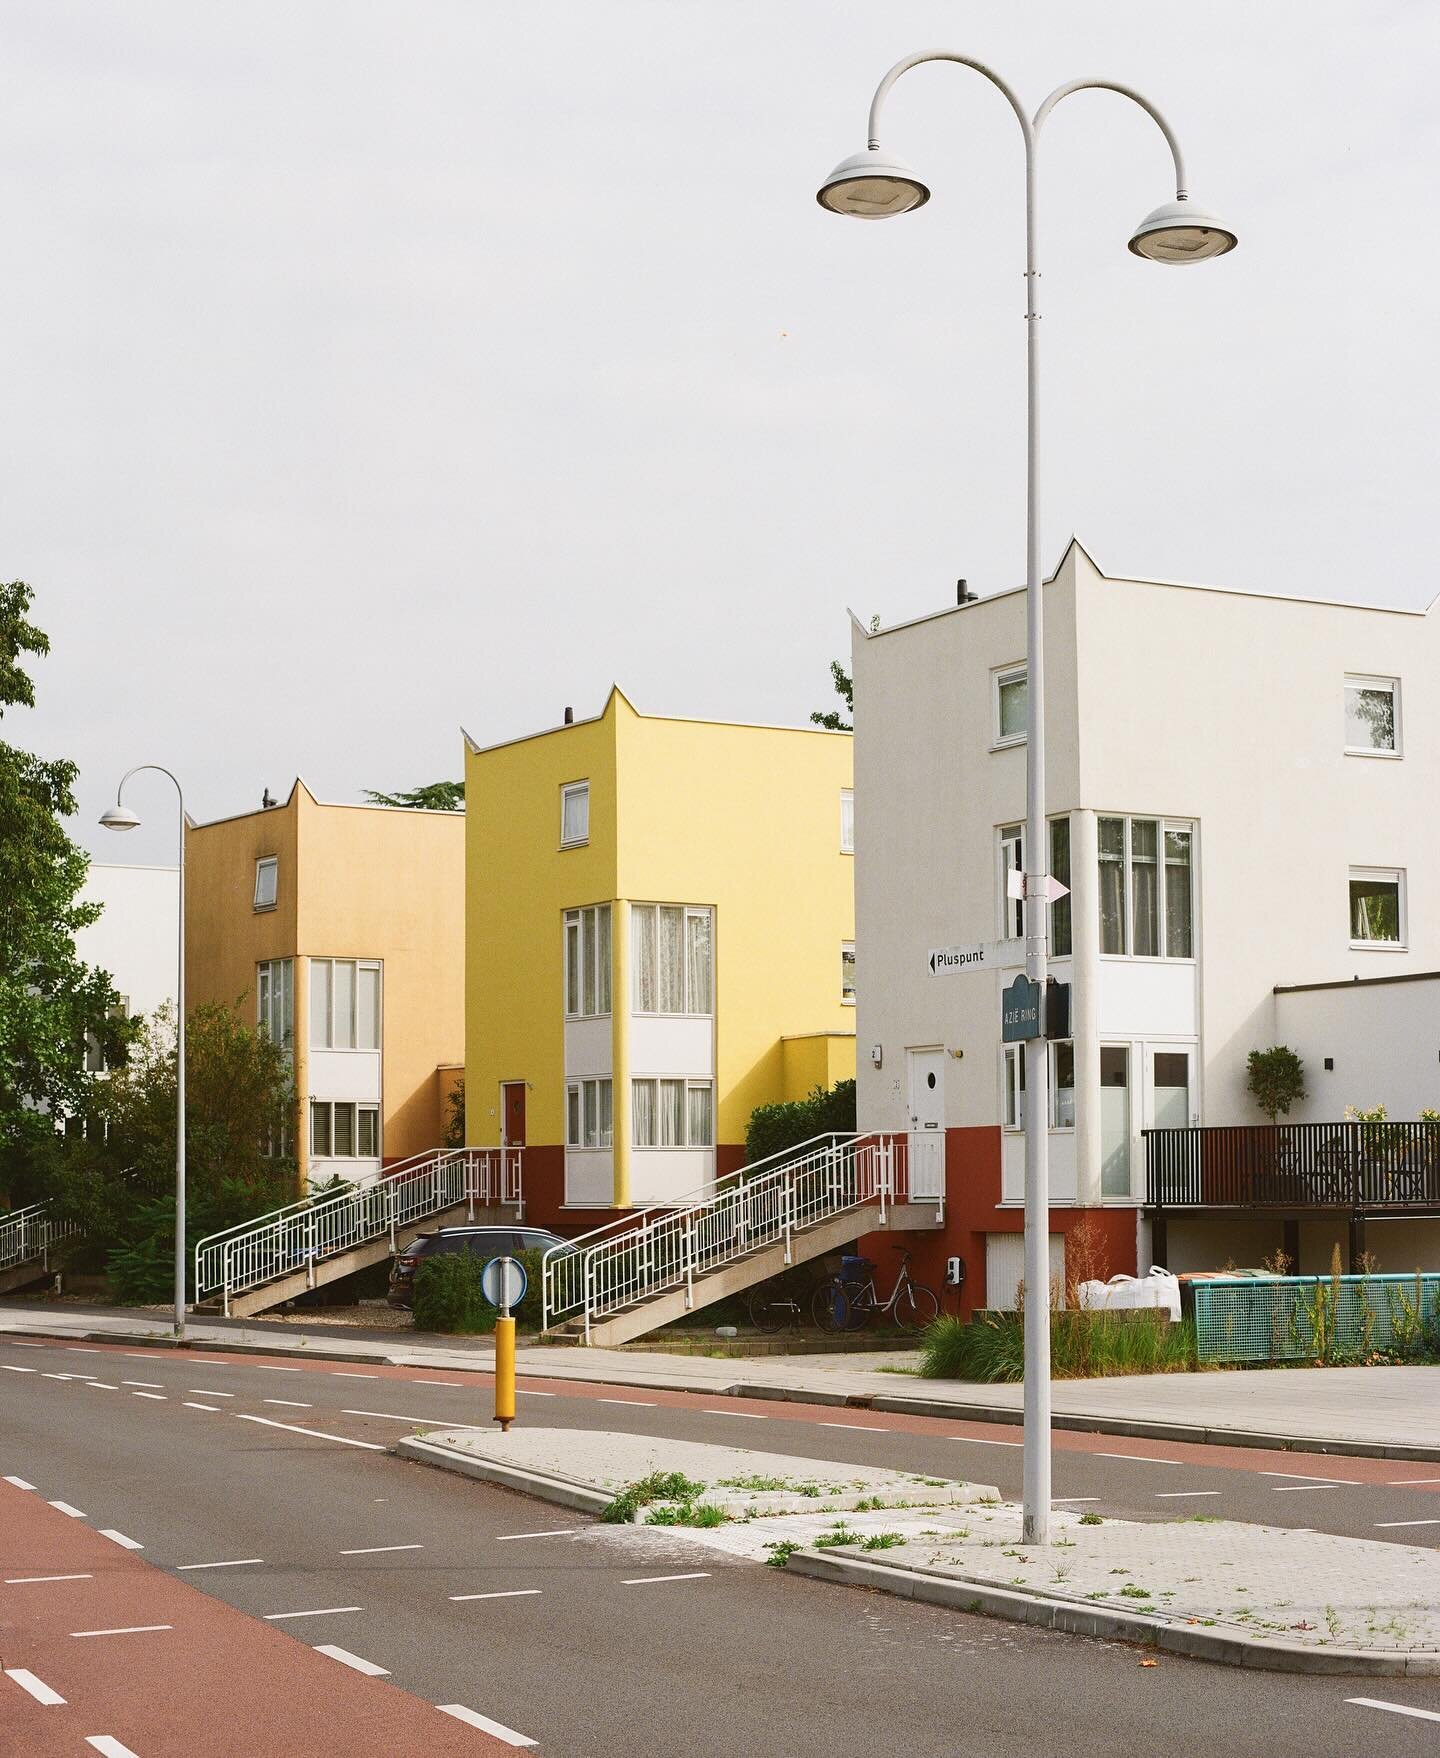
<point>659,938</point>
<point>338,929</point>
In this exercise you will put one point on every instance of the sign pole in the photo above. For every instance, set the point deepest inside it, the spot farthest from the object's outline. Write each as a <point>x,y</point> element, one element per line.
<point>504,1369</point>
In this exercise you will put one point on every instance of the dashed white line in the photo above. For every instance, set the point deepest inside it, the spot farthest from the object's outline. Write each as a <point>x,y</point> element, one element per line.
<point>971,1440</point>
<point>264,1366</point>
<point>290,1403</point>
<point>101,1386</point>
<point>19,1483</point>
<point>54,1376</point>
<point>1074,1498</point>
<point>1183,1495</point>
<point>206,1392</point>
<point>529,1392</point>
<point>10,1367</point>
<point>345,1373</point>
<point>639,1403</point>
<point>1402,1482</point>
<point>473,1718</point>
<point>439,1382</point>
<point>32,1580</point>
<point>15,1343</point>
<point>120,1539</point>
<point>346,1658</point>
<point>1140,1459</point>
<point>38,1689</point>
<point>159,1397</point>
<point>1395,1708</point>
<point>149,1385</point>
<point>554,1532</point>
<point>395,1416</point>
<point>80,1349</point>
<point>749,1415</point>
<point>190,1404</point>
<point>1304,1477</point>
<point>1381,1523</point>
<point>314,1433</point>
<point>65,1508</point>
<point>233,1563</point>
<point>108,1746</point>
<point>861,1427</point>
<point>648,1580</point>
<point>325,1611</point>
<point>1286,1489</point>
<point>124,1630</point>
<point>509,1593</point>
<point>374,1550</point>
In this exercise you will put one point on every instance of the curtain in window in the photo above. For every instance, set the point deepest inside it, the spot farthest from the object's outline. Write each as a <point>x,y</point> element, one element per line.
<point>287,1003</point>
<point>847,970</point>
<point>590,1137</point>
<point>572,963</point>
<point>1014,1089</point>
<point>1145,887</point>
<point>1014,703</point>
<point>672,960</point>
<point>672,1113</point>
<point>367,1008</point>
<point>1179,935</point>
<point>605,1120</point>
<point>700,1119</point>
<point>602,959</point>
<point>847,821</point>
<point>342,998</point>
<point>1063,1063</point>
<point>642,1111</point>
<point>572,1117</point>
<point>319,1003</point>
<point>1012,858</point>
<point>575,815</point>
<point>1060,867</point>
<point>1112,884</point>
<point>699,989</point>
<point>643,954</point>
<point>262,1000</point>
<point>587,960</point>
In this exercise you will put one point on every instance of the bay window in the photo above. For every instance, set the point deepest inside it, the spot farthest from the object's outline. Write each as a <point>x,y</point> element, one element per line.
<point>587,962</point>
<point>1012,860</point>
<point>344,1004</point>
<point>275,1000</point>
<point>672,1113</point>
<point>589,1117</point>
<point>1147,906</point>
<point>672,958</point>
<point>1060,1101</point>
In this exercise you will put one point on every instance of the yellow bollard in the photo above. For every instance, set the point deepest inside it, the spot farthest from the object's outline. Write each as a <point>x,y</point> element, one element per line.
<point>504,1372</point>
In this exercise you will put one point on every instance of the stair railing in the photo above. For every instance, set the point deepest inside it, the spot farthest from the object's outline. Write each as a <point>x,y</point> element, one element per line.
<point>27,1234</point>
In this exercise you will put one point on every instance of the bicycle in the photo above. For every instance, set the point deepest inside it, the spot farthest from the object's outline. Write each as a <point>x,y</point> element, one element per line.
<point>839,1305</point>
<point>778,1304</point>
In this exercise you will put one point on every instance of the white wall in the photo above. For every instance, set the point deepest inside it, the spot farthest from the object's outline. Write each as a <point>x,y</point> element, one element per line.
<point>1384,1038</point>
<point>136,938</point>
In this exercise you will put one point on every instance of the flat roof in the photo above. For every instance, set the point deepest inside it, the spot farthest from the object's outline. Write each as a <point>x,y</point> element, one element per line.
<point>1358,982</point>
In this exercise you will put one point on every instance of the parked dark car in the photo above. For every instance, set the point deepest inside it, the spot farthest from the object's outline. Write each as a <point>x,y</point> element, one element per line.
<point>482,1242</point>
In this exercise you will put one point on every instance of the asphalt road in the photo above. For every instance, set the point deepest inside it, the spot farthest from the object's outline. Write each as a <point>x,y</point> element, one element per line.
<point>611,1640</point>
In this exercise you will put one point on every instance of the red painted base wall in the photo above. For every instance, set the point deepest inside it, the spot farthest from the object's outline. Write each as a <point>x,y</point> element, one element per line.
<point>972,1197</point>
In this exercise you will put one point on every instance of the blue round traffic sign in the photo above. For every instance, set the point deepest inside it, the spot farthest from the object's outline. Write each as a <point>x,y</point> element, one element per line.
<point>503,1282</point>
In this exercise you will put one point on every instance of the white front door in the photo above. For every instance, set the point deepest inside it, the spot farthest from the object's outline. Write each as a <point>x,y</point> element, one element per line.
<point>927,1123</point>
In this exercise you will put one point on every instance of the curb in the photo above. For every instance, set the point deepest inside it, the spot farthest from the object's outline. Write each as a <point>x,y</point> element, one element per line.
<point>960,1594</point>
<point>561,1490</point>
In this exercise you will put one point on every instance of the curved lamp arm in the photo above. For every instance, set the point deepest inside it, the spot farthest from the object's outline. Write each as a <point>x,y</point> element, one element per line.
<point>159,770</point>
<point>882,91</point>
<point>1125,91</point>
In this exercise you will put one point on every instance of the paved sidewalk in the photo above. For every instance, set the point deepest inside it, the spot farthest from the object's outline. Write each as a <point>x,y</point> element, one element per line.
<point>1380,1412</point>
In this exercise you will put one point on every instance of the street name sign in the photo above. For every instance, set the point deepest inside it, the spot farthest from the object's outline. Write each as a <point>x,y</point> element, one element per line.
<point>1020,1011</point>
<point>974,955</point>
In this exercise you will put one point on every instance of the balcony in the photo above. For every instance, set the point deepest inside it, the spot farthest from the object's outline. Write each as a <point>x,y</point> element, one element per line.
<point>1366,1168</point>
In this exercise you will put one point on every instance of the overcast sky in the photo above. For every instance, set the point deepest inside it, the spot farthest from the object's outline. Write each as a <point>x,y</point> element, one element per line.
<point>374,369</point>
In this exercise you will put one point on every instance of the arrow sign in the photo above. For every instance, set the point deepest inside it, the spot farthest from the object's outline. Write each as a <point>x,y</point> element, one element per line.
<point>976,955</point>
<point>1049,886</point>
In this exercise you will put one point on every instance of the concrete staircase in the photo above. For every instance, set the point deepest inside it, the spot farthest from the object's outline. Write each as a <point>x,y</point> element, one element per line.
<point>26,1236</point>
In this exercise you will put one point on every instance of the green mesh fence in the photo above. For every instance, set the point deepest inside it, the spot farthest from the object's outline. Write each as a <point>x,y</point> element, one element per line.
<point>1302,1318</point>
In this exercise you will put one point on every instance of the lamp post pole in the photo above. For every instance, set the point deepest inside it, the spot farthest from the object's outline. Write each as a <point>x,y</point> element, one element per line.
<point>872,185</point>
<point>119,817</point>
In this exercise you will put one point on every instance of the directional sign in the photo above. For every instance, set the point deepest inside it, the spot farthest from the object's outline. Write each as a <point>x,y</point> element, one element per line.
<point>1020,1011</point>
<point>1017,886</point>
<point>503,1282</point>
<point>975,955</point>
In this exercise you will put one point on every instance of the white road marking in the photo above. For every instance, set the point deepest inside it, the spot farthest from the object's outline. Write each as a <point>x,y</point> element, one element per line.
<point>510,1593</point>
<point>1181,1495</point>
<point>472,1718</point>
<point>439,1382</point>
<point>639,1403</point>
<point>31,1580</point>
<point>37,1688</point>
<point>81,1349</point>
<point>190,1404</point>
<point>971,1440</point>
<point>1402,1482</point>
<point>1285,1489</point>
<point>749,1415</point>
<point>65,1508</point>
<point>19,1483</point>
<point>345,1373</point>
<point>54,1376</point>
<point>234,1563</point>
<point>395,1416</point>
<point>1140,1459</point>
<point>1303,1477</point>
<point>374,1550</point>
<point>527,1392</point>
<point>1395,1708</point>
<point>862,1427</point>
<point>108,1746</point>
<point>314,1433</point>
<point>325,1611</point>
<point>150,1385</point>
<point>264,1366</point>
<point>1382,1523</point>
<point>124,1630</point>
<point>344,1656</point>
<point>554,1532</point>
<point>10,1367</point>
<point>159,1397</point>
<point>101,1386</point>
<point>15,1343</point>
<point>1074,1498</point>
<point>205,1392</point>
<point>648,1580</point>
<point>120,1539</point>
<point>290,1403</point>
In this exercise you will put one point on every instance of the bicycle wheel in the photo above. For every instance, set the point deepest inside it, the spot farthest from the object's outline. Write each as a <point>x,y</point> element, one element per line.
<point>916,1307</point>
<point>835,1307</point>
<point>769,1313</point>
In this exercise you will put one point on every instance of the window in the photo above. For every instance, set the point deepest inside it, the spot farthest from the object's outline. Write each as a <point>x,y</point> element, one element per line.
<point>275,1000</point>
<point>672,958</point>
<point>1377,906</point>
<point>574,814</point>
<point>587,961</point>
<point>589,1120</point>
<point>1015,1086</point>
<point>667,1113</point>
<point>1146,888</point>
<point>95,1058</point>
<point>1372,716</point>
<point>847,820</point>
<point>344,1131</point>
<point>1012,692</point>
<point>1012,909</point>
<point>1062,1085</point>
<point>344,1004</point>
<point>847,973</point>
<point>267,872</point>
<point>1012,860</point>
<point>1060,869</point>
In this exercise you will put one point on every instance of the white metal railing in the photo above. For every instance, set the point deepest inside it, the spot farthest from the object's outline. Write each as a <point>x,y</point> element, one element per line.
<point>761,1204</point>
<point>27,1234</point>
<point>305,1233</point>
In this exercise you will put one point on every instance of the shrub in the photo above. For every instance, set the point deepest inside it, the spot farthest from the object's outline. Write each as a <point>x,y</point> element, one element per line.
<point>773,1128</point>
<point>659,1486</point>
<point>1083,1345</point>
<point>448,1297</point>
<point>1276,1079</point>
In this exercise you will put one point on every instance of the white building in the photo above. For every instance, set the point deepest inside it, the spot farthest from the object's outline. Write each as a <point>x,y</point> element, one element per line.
<point>1244,796</point>
<point>136,936</point>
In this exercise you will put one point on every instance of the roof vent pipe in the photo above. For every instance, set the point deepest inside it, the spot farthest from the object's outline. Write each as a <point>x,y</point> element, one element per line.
<point>963,594</point>
<point>569,717</point>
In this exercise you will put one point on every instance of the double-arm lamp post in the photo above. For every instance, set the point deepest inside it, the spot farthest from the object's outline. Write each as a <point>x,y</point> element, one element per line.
<point>120,817</point>
<point>873,185</point>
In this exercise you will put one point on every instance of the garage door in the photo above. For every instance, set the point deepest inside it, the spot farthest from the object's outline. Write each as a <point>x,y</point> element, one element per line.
<point>1005,1268</point>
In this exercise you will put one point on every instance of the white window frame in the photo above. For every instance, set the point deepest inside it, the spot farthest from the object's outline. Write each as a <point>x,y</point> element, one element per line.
<point>691,911</point>
<point>585,923</point>
<point>327,1042</point>
<point>329,1107</point>
<point>580,1121</point>
<point>1012,1084</point>
<point>1010,846</point>
<point>1397,875</point>
<point>847,992</point>
<point>1005,674</point>
<point>847,820</point>
<point>270,973</point>
<point>267,866</point>
<point>574,790</point>
<point>700,1084</point>
<point>1365,681</point>
<point>1162,826</point>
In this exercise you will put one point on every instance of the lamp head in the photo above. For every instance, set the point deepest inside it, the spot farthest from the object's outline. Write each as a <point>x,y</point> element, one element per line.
<point>119,818</point>
<point>872,185</point>
<point>1179,232</point>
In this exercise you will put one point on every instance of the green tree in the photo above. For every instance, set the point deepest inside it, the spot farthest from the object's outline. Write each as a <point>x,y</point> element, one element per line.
<point>452,1130</point>
<point>435,796</point>
<point>774,1127</point>
<point>1276,1079</point>
<point>49,1000</point>
<point>845,690</point>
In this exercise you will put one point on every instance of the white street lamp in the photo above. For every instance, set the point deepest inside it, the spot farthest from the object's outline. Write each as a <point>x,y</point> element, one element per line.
<point>873,185</point>
<point>120,817</point>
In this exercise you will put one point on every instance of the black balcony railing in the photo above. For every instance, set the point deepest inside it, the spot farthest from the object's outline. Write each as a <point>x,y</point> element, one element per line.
<point>1295,1165</point>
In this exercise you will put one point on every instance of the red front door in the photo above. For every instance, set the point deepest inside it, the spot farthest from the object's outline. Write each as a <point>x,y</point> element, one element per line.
<point>512,1093</point>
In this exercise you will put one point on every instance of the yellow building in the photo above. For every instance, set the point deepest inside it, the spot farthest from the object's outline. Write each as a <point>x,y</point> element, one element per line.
<point>659,938</point>
<point>339,929</point>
